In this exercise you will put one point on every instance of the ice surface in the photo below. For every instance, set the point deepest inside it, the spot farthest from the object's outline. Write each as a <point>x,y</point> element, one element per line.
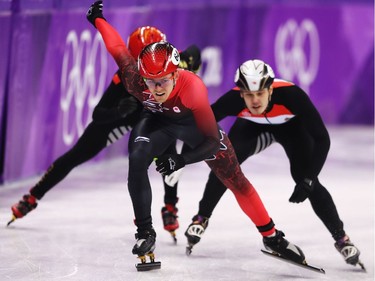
<point>83,228</point>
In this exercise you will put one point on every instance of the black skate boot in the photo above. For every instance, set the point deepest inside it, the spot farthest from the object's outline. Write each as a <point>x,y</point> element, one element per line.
<point>279,245</point>
<point>170,222</point>
<point>145,242</point>
<point>145,246</point>
<point>23,207</point>
<point>195,231</point>
<point>350,252</point>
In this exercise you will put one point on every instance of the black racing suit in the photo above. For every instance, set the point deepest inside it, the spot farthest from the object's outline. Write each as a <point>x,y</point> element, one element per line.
<point>291,120</point>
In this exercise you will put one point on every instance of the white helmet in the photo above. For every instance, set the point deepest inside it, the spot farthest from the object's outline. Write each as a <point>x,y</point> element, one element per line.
<point>254,75</point>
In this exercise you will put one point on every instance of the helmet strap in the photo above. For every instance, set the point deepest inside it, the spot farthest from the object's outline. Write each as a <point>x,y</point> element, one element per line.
<point>270,91</point>
<point>174,80</point>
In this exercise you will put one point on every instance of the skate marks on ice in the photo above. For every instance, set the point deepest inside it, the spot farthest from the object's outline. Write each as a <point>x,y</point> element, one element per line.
<point>27,262</point>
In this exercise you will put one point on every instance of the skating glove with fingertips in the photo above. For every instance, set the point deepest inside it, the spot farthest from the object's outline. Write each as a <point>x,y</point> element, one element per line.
<point>127,106</point>
<point>95,11</point>
<point>302,190</point>
<point>169,163</point>
<point>190,59</point>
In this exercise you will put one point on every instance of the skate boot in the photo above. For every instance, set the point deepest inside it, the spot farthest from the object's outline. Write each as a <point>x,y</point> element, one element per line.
<point>350,252</point>
<point>145,242</point>
<point>23,207</point>
<point>279,245</point>
<point>144,247</point>
<point>169,216</point>
<point>195,231</point>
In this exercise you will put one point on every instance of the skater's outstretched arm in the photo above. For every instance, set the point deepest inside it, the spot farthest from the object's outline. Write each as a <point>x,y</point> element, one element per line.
<point>130,77</point>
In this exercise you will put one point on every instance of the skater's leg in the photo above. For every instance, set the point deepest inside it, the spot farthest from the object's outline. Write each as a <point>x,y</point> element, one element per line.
<point>169,210</point>
<point>170,192</point>
<point>88,145</point>
<point>300,154</point>
<point>246,141</point>
<point>324,207</point>
<point>141,154</point>
<point>246,195</point>
<point>251,204</point>
<point>212,194</point>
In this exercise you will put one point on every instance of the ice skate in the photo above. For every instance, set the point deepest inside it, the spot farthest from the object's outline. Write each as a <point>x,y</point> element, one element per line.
<point>350,252</point>
<point>195,231</point>
<point>279,245</point>
<point>170,222</point>
<point>144,248</point>
<point>23,207</point>
<point>280,248</point>
<point>304,264</point>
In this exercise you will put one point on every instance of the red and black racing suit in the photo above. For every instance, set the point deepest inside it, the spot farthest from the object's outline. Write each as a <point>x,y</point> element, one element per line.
<point>108,125</point>
<point>186,115</point>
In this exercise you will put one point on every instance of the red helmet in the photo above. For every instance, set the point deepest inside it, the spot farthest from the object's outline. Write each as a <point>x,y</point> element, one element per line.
<point>143,36</point>
<point>158,59</point>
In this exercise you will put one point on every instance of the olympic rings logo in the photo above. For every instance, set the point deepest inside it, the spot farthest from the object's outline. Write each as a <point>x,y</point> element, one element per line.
<point>83,77</point>
<point>297,51</point>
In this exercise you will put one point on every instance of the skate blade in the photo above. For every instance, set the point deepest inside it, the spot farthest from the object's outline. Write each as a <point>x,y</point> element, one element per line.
<point>146,266</point>
<point>173,234</point>
<point>189,250</point>
<point>362,266</point>
<point>304,264</point>
<point>12,220</point>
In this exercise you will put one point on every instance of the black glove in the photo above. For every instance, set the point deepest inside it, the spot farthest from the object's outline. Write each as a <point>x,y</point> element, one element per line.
<point>95,11</point>
<point>127,106</point>
<point>190,59</point>
<point>302,190</point>
<point>169,163</point>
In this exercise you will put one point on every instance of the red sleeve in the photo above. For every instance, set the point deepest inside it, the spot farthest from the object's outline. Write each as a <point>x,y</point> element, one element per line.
<point>196,98</point>
<point>113,42</point>
<point>130,77</point>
